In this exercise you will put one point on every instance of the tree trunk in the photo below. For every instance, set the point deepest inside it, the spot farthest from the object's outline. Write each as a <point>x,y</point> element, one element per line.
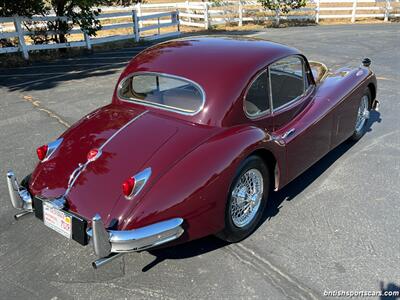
<point>62,26</point>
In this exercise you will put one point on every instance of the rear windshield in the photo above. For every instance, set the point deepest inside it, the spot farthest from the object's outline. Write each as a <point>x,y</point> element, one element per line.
<point>165,91</point>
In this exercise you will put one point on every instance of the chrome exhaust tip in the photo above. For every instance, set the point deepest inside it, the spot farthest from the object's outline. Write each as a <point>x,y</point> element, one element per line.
<point>20,215</point>
<point>105,260</point>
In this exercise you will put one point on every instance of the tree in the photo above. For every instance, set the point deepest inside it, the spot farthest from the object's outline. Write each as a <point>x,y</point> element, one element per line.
<point>282,6</point>
<point>28,8</point>
<point>81,12</point>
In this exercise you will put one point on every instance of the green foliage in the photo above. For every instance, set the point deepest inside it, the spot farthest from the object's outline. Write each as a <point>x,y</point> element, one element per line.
<point>9,8</point>
<point>283,6</point>
<point>82,13</point>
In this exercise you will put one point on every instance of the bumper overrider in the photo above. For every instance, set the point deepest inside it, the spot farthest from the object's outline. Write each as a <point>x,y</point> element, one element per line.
<point>107,244</point>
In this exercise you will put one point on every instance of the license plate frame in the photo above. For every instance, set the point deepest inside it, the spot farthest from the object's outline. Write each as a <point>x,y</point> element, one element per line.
<point>57,220</point>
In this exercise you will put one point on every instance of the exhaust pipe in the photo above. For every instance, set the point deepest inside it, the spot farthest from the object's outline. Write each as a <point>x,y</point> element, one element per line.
<point>105,260</point>
<point>22,214</point>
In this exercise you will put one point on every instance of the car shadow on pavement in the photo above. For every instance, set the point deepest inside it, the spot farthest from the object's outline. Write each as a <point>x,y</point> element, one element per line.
<point>44,81</point>
<point>211,243</point>
<point>299,184</point>
<point>391,290</point>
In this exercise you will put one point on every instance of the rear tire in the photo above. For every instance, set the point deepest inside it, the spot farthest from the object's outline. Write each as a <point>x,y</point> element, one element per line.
<point>362,116</point>
<point>247,199</point>
<point>25,182</point>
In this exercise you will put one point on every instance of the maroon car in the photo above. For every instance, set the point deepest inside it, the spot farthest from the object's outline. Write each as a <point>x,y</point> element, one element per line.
<point>198,133</point>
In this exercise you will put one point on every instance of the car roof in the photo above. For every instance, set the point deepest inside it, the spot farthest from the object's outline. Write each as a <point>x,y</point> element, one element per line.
<point>221,65</point>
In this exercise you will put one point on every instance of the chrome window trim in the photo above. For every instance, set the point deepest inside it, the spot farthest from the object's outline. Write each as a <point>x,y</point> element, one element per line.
<point>162,106</point>
<point>305,92</point>
<point>260,114</point>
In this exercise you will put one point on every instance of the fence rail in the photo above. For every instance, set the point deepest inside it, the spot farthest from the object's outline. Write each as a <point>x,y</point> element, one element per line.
<point>136,25</point>
<point>143,19</point>
<point>207,14</point>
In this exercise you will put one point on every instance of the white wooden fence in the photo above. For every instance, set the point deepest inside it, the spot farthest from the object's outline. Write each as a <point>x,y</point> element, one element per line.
<point>137,24</point>
<point>150,18</point>
<point>206,14</point>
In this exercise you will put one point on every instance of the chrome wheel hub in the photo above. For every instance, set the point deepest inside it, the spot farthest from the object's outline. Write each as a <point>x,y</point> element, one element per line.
<point>362,114</point>
<point>246,197</point>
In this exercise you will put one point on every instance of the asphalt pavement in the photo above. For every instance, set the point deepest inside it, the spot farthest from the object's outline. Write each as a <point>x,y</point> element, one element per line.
<point>335,228</point>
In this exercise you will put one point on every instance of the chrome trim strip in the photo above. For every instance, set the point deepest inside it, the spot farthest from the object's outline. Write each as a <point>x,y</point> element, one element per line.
<point>52,147</point>
<point>140,180</point>
<point>298,98</point>
<point>161,106</point>
<point>122,128</point>
<point>81,167</point>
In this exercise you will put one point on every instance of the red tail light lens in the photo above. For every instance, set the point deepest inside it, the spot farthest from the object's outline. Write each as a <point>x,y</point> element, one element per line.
<point>42,152</point>
<point>127,186</point>
<point>92,154</point>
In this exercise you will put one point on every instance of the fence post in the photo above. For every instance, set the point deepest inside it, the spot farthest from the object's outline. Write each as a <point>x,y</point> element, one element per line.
<point>175,17</point>
<point>206,16</point>
<point>87,40</point>
<point>188,11</point>
<point>317,12</point>
<point>277,17</point>
<point>21,39</point>
<point>353,14</point>
<point>139,11</point>
<point>387,11</point>
<point>135,25</point>
<point>240,13</point>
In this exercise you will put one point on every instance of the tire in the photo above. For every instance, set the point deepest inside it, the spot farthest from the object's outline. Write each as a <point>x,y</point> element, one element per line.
<point>237,226</point>
<point>363,111</point>
<point>25,182</point>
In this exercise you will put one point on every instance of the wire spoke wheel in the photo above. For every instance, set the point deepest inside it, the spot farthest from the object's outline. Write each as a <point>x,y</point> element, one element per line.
<point>362,114</point>
<point>246,197</point>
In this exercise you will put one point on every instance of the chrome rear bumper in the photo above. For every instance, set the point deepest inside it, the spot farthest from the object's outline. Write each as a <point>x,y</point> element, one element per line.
<point>107,244</point>
<point>20,197</point>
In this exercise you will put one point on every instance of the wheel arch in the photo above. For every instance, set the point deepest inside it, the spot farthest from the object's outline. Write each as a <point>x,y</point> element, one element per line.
<point>372,89</point>
<point>272,164</point>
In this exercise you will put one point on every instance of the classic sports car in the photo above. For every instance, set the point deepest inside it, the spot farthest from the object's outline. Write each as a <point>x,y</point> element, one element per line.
<point>200,131</point>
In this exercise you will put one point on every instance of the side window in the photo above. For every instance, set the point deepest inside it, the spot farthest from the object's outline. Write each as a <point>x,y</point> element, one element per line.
<point>257,97</point>
<point>287,80</point>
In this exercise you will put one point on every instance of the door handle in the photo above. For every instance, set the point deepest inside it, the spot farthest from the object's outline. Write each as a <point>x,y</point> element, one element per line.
<point>288,133</point>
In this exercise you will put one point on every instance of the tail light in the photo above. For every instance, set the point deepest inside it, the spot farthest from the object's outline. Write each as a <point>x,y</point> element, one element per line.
<point>133,185</point>
<point>127,186</point>
<point>44,152</point>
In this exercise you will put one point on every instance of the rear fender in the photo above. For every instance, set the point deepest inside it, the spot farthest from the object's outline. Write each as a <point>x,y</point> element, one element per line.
<point>196,187</point>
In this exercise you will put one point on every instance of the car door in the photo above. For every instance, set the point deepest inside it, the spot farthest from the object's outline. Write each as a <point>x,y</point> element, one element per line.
<point>297,123</point>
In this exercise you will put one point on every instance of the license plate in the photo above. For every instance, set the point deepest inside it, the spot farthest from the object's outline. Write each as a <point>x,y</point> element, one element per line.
<point>57,220</point>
